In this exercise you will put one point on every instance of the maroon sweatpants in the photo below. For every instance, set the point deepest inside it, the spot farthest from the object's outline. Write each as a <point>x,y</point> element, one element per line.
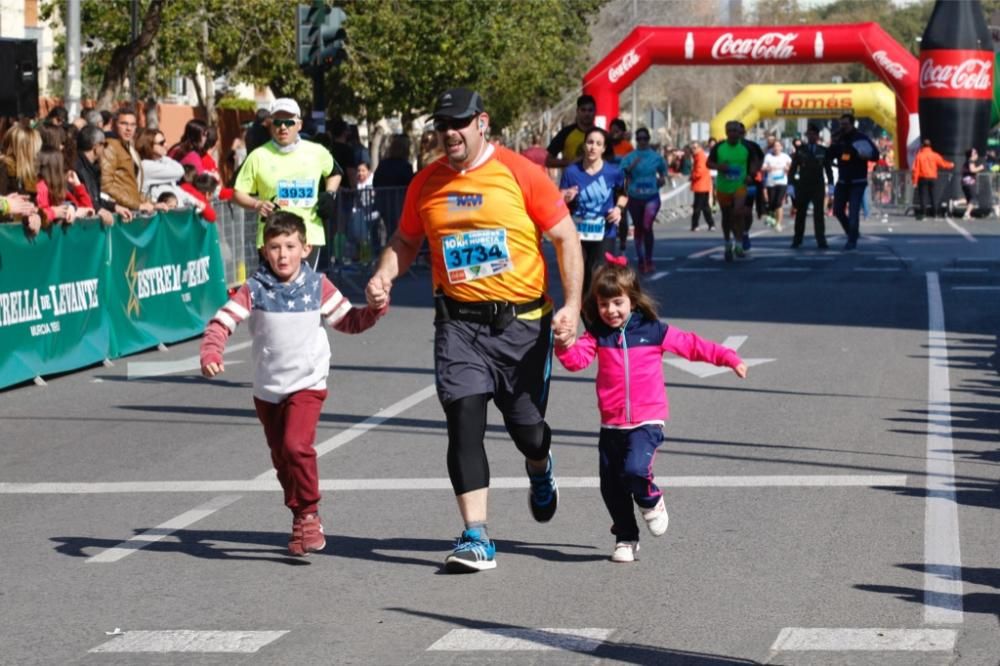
<point>290,429</point>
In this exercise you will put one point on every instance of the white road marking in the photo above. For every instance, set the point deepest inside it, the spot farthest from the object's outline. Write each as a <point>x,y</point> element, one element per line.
<point>442,483</point>
<point>878,269</point>
<point>977,288</point>
<point>369,423</point>
<point>893,258</point>
<point>965,234</point>
<point>787,269</point>
<point>704,253</point>
<point>163,530</point>
<point>965,270</point>
<point>186,640</point>
<point>658,275</point>
<point>815,258</point>
<point>687,269</point>
<point>185,519</point>
<point>942,549</point>
<point>512,638</point>
<point>703,370</point>
<point>870,640</point>
<point>143,369</point>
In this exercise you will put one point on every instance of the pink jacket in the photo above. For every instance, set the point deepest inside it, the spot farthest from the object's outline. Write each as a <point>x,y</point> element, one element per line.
<point>630,387</point>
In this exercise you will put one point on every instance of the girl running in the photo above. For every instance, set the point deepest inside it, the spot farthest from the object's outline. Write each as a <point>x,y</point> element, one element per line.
<point>628,339</point>
<point>595,191</point>
<point>646,171</point>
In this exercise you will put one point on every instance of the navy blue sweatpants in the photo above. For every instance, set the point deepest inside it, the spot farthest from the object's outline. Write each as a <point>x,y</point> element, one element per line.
<point>627,475</point>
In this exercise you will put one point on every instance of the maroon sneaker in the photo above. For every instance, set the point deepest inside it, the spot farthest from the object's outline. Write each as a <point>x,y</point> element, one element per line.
<point>307,535</point>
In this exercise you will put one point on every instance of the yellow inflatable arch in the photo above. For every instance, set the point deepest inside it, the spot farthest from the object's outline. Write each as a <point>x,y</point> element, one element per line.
<point>821,100</point>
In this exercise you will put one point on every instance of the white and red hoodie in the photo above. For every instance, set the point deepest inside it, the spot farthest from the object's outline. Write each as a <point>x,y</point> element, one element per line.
<point>290,349</point>
<point>630,389</point>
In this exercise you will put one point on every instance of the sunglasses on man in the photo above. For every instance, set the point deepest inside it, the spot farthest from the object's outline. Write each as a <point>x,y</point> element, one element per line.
<point>445,124</point>
<point>284,122</point>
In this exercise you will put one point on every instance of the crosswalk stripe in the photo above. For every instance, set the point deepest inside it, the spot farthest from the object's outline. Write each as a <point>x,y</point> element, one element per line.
<point>792,639</point>
<point>515,638</point>
<point>186,640</point>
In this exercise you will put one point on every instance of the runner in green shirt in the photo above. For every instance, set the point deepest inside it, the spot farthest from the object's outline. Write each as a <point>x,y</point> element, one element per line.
<point>732,160</point>
<point>288,173</point>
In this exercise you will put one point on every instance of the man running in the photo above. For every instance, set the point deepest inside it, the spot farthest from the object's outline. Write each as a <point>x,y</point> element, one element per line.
<point>852,150</point>
<point>483,210</point>
<point>285,173</point>
<point>732,159</point>
<point>566,147</point>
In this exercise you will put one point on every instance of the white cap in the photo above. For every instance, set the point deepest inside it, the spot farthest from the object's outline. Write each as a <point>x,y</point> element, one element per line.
<point>285,104</point>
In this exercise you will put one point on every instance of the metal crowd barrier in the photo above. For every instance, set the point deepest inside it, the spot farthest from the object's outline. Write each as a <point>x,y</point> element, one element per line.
<point>364,221</point>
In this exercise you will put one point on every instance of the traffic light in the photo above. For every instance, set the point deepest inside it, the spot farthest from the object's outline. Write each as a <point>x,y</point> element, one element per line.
<point>320,35</point>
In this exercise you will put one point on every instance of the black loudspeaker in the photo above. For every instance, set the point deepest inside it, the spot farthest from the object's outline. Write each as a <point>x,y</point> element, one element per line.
<point>18,78</point>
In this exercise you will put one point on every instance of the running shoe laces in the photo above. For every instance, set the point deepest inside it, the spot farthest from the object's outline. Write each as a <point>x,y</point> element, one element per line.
<point>472,553</point>
<point>543,497</point>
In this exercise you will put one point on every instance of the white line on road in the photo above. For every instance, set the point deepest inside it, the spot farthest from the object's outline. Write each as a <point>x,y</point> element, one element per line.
<point>788,269</point>
<point>965,234</point>
<point>143,369</point>
<point>977,288</point>
<point>965,270</point>
<point>150,536</point>
<point>442,483</point>
<point>186,640</point>
<point>815,258</point>
<point>684,269</point>
<point>163,530</point>
<point>871,640</point>
<point>879,269</point>
<point>942,549</point>
<point>514,638</point>
<point>658,275</point>
<point>369,423</point>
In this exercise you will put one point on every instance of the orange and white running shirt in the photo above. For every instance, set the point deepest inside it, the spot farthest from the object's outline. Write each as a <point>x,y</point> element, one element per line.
<point>484,225</point>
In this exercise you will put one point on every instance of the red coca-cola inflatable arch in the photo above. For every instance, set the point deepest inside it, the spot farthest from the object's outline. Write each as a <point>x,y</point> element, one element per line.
<point>767,45</point>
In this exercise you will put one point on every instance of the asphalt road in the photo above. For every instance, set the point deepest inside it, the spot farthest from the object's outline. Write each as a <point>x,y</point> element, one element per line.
<point>840,506</point>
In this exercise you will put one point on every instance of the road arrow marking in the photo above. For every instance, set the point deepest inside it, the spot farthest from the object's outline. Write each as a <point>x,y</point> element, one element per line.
<point>703,370</point>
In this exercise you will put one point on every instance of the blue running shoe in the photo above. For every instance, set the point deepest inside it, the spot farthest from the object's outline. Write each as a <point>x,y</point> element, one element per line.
<point>472,553</point>
<point>746,242</point>
<point>543,497</point>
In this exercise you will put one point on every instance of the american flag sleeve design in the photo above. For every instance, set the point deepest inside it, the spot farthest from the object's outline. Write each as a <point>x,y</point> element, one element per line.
<point>338,313</point>
<point>223,324</point>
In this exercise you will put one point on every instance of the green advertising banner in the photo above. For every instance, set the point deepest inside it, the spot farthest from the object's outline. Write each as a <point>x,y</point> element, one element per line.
<point>75,295</point>
<point>165,280</point>
<point>52,317</point>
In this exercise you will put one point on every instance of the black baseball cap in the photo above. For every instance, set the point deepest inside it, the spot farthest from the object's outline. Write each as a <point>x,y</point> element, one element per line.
<point>458,103</point>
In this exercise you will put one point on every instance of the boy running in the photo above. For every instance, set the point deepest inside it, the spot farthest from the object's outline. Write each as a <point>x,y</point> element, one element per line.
<point>287,303</point>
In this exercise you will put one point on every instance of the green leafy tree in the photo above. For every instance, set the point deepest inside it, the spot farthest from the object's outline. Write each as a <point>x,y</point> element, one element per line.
<point>521,54</point>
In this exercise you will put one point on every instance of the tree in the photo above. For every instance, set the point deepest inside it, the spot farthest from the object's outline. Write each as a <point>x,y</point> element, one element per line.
<point>518,54</point>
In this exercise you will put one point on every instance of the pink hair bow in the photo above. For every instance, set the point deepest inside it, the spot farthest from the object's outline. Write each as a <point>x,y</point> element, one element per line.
<point>618,261</point>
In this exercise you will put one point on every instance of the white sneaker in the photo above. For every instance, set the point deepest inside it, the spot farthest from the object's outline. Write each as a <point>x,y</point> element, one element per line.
<point>625,551</point>
<point>656,518</point>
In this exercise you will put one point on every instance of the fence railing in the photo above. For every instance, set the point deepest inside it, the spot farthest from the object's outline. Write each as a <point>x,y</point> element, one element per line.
<point>363,221</point>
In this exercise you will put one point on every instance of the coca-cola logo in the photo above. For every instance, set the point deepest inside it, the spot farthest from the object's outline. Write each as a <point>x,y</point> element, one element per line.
<point>889,66</point>
<point>628,61</point>
<point>769,46</point>
<point>973,74</point>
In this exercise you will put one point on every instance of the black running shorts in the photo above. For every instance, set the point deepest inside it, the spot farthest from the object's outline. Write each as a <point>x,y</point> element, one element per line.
<point>513,365</point>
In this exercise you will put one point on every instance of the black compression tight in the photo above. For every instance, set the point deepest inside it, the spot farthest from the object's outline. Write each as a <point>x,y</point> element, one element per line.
<point>468,467</point>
